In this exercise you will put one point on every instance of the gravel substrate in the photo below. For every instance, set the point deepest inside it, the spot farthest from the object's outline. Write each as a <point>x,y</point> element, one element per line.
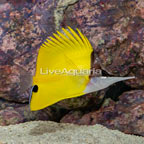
<point>42,132</point>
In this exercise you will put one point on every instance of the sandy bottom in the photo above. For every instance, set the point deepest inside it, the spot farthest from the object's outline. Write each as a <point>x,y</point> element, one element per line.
<point>39,132</point>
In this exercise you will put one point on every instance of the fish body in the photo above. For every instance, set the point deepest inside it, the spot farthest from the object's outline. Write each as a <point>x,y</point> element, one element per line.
<point>60,71</point>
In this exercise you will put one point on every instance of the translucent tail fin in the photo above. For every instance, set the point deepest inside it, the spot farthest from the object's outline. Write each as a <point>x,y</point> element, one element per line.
<point>98,83</point>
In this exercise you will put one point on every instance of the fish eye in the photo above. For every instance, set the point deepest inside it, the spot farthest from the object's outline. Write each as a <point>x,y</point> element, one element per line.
<point>35,88</point>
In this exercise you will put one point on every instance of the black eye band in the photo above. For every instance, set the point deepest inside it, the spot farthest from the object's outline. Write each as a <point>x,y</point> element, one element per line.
<point>35,88</point>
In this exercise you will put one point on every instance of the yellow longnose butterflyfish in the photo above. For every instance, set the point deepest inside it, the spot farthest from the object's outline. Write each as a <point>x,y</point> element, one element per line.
<point>60,67</point>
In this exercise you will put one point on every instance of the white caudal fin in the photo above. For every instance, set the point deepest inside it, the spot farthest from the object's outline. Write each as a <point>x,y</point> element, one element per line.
<point>98,83</point>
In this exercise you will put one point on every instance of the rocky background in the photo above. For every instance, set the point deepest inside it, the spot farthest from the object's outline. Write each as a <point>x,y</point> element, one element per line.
<point>115,29</point>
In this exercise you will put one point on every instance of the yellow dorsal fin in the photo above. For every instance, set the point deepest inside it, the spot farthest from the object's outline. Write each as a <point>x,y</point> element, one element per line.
<point>74,46</point>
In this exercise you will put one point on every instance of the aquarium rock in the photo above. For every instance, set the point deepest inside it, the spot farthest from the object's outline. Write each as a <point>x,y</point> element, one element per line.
<point>126,115</point>
<point>115,28</point>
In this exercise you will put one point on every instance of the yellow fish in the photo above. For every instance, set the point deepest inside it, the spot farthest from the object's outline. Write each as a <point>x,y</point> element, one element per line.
<point>62,70</point>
